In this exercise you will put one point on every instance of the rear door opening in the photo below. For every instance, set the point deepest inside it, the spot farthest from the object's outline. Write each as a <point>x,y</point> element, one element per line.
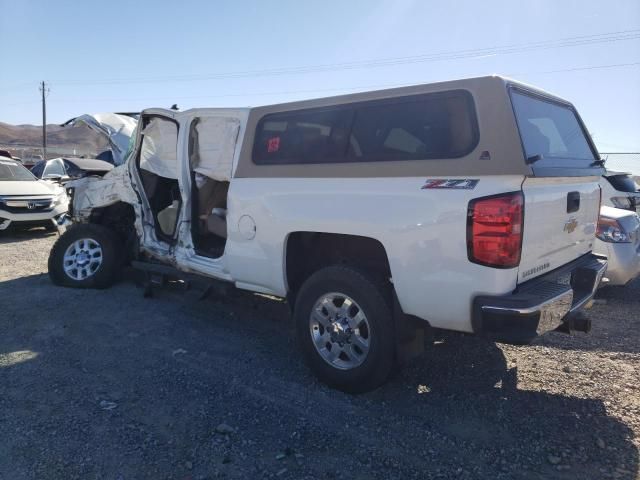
<point>157,163</point>
<point>212,144</point>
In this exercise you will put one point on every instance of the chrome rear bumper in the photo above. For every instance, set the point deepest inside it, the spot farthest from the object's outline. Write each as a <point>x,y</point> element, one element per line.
<point>541,305</point>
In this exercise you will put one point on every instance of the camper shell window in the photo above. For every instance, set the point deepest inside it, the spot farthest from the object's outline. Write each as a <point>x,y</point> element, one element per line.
<point>309,136</point>
<point>419,127</point>
<point>552,134</point>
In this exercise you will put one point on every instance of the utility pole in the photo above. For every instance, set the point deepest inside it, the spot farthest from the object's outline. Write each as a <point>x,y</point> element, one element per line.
<point>45,90</point>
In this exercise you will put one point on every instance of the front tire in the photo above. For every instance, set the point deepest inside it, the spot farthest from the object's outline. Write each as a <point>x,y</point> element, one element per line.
<point>345,328</point>
<point>86,256</point>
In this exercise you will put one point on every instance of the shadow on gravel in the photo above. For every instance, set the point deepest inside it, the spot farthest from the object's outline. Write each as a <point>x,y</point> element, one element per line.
<point>12,292</point>
<point>15,235</point>
<point>628,293</point>
<point>615,324</point>
<point>463,389</point>
<point>132,382</point>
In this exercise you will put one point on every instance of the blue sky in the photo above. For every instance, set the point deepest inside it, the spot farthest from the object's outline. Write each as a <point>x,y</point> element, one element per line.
<point>125,56</point>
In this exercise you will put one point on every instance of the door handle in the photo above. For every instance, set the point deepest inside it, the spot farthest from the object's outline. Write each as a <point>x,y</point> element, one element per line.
<point>573,202</point>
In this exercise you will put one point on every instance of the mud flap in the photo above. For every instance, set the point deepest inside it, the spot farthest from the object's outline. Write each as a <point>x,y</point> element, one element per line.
<point>410,334</point>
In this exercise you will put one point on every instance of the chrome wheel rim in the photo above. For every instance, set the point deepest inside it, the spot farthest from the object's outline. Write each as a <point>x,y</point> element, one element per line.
<point>340,331</point>
<point>82,259</point>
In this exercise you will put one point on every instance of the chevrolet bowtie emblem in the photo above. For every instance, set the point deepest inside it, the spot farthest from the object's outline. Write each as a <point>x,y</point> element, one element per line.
<point>571,225</point>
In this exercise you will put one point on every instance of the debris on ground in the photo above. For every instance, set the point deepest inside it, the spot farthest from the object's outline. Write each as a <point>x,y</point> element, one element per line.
<point>224,429</point>
<point>107,405</point>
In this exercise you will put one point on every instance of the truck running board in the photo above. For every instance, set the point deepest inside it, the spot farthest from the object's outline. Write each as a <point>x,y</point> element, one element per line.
<point>157,276</point>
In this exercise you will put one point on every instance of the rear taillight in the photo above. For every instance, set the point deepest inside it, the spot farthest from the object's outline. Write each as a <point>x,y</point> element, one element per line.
<point>494,230</point>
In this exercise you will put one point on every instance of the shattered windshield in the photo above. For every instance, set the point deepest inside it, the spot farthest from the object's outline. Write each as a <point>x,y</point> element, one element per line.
<point>13,171</point>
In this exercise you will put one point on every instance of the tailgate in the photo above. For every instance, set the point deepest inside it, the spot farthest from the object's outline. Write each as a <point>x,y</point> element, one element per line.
<point>560,219</point>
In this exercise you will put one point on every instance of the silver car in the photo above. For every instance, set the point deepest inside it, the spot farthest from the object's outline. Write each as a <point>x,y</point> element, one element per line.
<point>618,237</point>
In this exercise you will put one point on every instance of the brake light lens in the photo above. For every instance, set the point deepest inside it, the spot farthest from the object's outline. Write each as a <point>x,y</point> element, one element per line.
<point>494,230</point>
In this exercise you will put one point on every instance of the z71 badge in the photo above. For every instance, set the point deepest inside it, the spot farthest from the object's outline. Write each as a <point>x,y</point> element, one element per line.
<point>453,183</point>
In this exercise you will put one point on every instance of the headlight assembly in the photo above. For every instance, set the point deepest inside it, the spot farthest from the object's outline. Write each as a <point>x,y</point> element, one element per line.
<point>610,230</point>
<point>60,199</point>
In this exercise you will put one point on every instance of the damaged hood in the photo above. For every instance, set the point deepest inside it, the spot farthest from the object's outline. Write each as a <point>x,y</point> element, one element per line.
<point>35,187</point>
<point>116,127</point>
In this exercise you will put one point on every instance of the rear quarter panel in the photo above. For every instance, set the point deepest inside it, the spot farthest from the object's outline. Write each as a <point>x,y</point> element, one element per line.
<point>423,232</point>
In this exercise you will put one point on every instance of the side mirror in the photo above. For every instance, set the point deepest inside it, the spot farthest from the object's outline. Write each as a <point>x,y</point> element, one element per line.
<point>534,158</point>
<point>54,177</point>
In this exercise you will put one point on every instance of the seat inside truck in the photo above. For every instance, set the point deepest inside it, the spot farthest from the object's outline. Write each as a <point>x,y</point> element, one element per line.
<point>211,149</point>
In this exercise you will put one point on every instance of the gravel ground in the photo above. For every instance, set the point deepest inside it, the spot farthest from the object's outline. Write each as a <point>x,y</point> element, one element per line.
<point>108,384</point>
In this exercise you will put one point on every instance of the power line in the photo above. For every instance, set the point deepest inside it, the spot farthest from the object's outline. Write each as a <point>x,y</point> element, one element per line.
<point>19,86</point>
<point>20,103</point>
<point>381,62</point>
<point>335,89</point>
<point>470,54</point>
<point>577,69</point>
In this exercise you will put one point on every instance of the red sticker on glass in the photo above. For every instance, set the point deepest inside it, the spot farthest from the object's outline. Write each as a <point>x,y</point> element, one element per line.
<point>273,144</point>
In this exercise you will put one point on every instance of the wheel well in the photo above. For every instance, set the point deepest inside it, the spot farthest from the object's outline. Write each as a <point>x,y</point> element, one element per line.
<point>119,217</point>
<point>310,251</point>
<point>307,252</point>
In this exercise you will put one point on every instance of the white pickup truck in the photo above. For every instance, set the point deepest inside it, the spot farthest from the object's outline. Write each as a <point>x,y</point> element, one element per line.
<point>467,205</point>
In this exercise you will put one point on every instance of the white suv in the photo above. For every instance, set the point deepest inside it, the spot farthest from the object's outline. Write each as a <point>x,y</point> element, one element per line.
<point>468,205</point>
<point>27,201</point>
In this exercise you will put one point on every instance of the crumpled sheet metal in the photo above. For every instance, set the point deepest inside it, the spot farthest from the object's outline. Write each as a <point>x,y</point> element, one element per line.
<point>118,129</point>
<point>92,192</point>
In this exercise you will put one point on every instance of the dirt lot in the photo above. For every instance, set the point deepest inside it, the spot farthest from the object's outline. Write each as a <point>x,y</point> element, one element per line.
<point>108,384</point>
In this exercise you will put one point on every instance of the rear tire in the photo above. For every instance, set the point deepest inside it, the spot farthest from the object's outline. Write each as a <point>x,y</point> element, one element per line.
<point>86,256</point>
<point>342,308</point>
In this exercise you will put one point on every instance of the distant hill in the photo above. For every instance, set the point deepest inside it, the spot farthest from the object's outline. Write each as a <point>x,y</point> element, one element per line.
<point>60,140</point>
